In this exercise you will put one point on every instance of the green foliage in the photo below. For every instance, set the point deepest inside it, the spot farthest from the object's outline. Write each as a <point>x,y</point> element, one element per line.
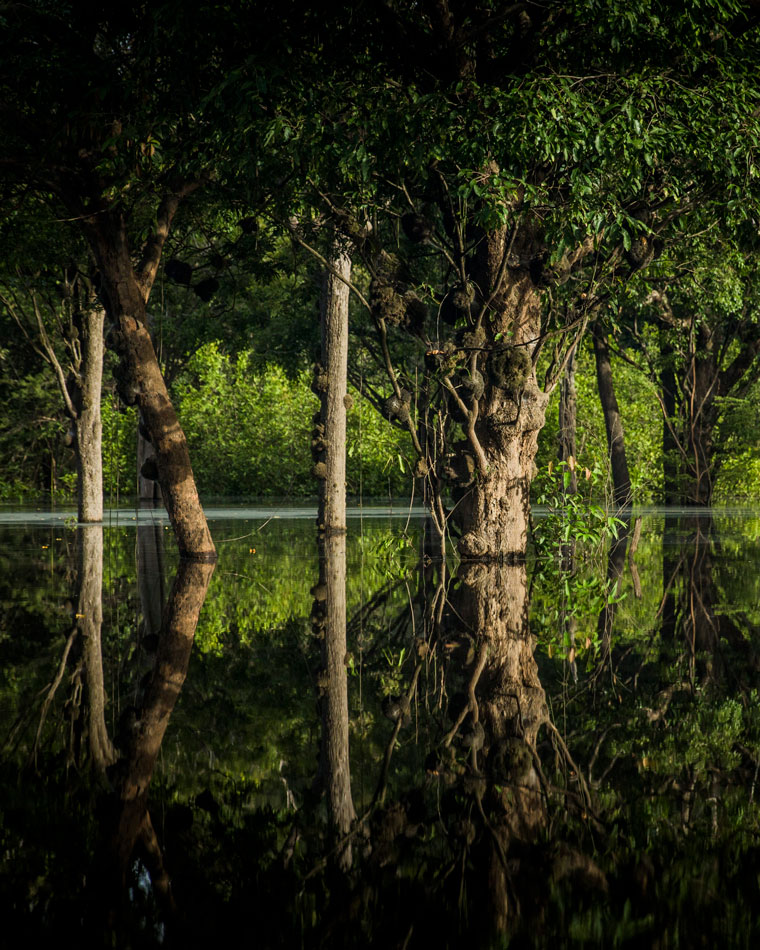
<point>249,431</point>
<point>570,538</point>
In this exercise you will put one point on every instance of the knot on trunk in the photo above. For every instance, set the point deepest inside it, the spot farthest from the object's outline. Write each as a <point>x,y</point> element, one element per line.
<point>472,545</point>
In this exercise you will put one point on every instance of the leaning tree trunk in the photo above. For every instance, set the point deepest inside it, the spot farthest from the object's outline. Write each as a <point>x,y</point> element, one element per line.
<point>494,508</point>
<point>621,479</point>
<point>330,593</point>
<point>141,382</point>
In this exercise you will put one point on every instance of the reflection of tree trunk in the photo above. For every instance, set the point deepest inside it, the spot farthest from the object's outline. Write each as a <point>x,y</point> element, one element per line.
<point>621,478</point>
<point>615,568</point>
<point>670,562</point>
<point>335,760</point>
<point>152,718</point>
<point>150,575</point>
<point>90,619</point>
<point>510,704</point>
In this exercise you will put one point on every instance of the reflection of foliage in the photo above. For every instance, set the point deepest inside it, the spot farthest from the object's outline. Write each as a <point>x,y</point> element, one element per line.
<point>569,580</point>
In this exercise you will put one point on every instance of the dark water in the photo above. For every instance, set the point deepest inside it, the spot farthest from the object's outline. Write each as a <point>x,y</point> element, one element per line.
<point>367,747</point>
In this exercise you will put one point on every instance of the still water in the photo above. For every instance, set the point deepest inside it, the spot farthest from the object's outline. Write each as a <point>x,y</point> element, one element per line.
<point>360,745</point>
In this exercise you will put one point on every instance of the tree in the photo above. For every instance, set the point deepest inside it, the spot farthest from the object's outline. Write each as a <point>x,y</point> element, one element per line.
<point>62,320</point>
<point>517,164</point>
<point>98,114</point>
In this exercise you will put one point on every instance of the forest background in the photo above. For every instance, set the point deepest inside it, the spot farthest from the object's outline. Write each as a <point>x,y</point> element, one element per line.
<point>670,288</point>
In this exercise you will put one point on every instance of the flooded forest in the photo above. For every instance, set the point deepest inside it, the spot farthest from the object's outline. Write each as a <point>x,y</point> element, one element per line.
<point>380,473</point>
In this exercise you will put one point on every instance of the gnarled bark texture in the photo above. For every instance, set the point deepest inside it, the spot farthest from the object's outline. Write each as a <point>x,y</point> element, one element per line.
<point>492,514</point>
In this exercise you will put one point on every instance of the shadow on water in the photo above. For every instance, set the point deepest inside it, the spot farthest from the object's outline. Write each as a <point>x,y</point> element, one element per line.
<point>350,747</point>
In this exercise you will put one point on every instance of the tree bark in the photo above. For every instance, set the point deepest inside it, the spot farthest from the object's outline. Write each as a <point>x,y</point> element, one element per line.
<point>141,382</point>
<point>493,511</point>
<point>88,424</point>
<point>621,478</point>
<point>334,397</point>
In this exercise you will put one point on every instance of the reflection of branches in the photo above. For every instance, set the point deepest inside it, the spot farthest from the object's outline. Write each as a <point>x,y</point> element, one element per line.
<point>51,691</point>
<point>570,761</point>
<point>472,704</point>
<point>382,785</point>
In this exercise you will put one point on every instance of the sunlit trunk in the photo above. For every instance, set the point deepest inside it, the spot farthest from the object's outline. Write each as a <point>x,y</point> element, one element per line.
<point>493,513</point>
<point>141,382</point>
<point>87,425</point>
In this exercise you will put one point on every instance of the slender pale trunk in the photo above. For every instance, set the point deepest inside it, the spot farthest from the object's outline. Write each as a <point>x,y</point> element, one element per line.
<point>621,479</point>
<point>141,382</point>
<point>330,455</point>
<point>335,363</point>
<point>88,425</point>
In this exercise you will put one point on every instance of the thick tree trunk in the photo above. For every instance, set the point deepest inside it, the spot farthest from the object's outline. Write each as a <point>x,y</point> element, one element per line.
<point>494,508</point>
<point>88,426</point>
<point>141,382</point>
<point>621,478</point>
